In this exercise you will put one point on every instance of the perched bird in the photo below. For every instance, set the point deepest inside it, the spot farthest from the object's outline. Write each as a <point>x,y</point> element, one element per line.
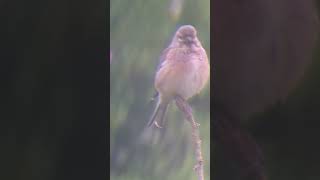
<point>183,71</point>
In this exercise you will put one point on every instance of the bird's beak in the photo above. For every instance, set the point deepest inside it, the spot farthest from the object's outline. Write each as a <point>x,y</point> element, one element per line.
<point>189,39</point>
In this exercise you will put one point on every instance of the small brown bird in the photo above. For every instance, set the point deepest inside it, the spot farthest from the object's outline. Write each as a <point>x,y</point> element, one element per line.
<point>183,71</point>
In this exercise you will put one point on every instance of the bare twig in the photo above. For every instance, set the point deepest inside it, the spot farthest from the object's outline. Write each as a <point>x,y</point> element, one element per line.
<point>187,111</point>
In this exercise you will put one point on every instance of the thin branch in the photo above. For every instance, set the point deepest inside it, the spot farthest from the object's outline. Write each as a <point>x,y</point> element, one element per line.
<point>187,111</point>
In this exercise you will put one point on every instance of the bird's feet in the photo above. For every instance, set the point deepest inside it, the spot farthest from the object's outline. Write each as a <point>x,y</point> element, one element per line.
<point>157,125</point>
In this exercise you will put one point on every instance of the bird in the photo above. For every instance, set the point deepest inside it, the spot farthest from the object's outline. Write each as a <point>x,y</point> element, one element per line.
<point>183,71</point>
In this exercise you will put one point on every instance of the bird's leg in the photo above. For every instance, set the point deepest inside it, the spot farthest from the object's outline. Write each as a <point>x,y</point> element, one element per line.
<point>184,106</point>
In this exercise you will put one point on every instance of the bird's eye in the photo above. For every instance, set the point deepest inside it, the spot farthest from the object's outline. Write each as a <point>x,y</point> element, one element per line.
<point>179,39</point>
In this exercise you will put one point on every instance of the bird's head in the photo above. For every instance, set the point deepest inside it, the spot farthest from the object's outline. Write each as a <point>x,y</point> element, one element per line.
<point>186,36</point>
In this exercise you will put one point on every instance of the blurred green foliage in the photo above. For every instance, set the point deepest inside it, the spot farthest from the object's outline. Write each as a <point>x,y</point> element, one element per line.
<point>139,31</point>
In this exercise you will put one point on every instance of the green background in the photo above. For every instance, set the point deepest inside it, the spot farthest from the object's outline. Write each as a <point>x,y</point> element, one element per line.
<point>139,31</point>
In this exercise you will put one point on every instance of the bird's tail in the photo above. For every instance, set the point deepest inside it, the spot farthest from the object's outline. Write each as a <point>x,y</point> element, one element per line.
<point>158,115</point>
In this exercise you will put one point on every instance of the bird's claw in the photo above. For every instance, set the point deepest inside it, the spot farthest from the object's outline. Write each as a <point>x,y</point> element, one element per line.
<point>158,126</point>
<point>197,124</point>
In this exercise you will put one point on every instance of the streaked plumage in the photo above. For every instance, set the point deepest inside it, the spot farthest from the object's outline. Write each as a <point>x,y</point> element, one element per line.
<point>183,71</point>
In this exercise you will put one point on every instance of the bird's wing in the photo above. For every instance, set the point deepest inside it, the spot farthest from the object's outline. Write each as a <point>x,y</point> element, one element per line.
<point>163,58</point>
<point>162,62</point>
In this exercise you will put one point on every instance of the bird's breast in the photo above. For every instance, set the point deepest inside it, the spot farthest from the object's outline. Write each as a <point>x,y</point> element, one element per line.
<point>181,76</point>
